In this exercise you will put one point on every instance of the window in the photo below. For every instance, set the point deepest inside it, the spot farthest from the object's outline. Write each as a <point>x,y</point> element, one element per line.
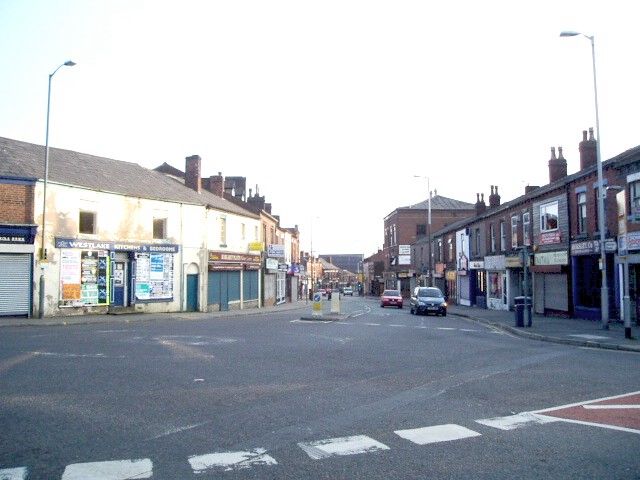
<point>634,197</point>
<point>255,233</point>
<point>450,253</point>
<point>514,231</point>
<point>421,229</point>
<point>87,222</point>
<point>243,231</point>
<point>492,238</point>
<point>223,231</point>
<point>477,241</point>
<point>526,225</point>
<point>159,228</point>
<point>549,217</point>
<point>503,236</point>
<point>440,253</point>
<point>582,212</point>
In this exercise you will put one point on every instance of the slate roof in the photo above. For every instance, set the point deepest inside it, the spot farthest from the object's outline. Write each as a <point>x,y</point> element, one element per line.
<point>439,202</point>
<point>102,174</point>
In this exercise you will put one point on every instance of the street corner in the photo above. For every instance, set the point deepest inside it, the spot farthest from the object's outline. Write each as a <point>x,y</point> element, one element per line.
<point>621,412</point>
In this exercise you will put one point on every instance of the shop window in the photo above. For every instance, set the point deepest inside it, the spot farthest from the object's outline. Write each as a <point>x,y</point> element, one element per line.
<point>514,231</point>
<point>159,228</point>
<point>526,226</point>
<point>87,222</point>
<point>495,285</point>
<point>582,212</point>
<point>549,217</point>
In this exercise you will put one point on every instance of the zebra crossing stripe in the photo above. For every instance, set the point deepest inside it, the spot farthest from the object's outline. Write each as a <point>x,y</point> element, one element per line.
<point>112,470</point>
<point>228,461</point>
<point>437,433</point>
<point>512,422</point>
<point>19,473</point>
<point>341,446</point>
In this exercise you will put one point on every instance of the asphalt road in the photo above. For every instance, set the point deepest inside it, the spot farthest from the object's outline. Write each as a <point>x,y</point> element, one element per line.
<point>383,394</point>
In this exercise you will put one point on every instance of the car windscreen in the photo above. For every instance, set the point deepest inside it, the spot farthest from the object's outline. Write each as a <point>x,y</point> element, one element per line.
<point>430,292</point>
<point>391,293</point>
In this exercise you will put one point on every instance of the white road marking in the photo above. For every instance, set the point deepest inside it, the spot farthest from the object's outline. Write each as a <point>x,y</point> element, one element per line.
<point>171,431</point>
<point>74,355</point>
<point>589,337</point>
<point>437,433</point>
<point>512,422</point>
<point>607,407</point>
<point>19,473</point>
<point>446,328</point>
<point>230,460</point>
<point>372,324</point>
<point>467,330</point>
<point>342,446</point>
<point>395,325</point>
<point>113,470</point>
<point>569,405</point>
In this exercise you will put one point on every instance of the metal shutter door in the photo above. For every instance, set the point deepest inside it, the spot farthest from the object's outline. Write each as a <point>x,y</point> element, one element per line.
<point>538,293</point>
<point>555,292</point>
<point>15,284</point>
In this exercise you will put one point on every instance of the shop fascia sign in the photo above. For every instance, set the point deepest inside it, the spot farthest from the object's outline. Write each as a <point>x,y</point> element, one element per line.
<point>513,262</point>
<point>549,238</point>
<point>275,251</point>
<point>233,257</point>
<point>256,246</point>
<point>552,258</point>
<point>476,265</point>
<point>592,247</point>
<point>271,263</point>
<point>116,246</point>
<point>17,234</point>
<point>495,262</point>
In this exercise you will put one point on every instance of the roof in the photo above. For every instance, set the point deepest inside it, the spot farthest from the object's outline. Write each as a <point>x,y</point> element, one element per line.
<point>102,174</point>
<point>326,265</point>
<point>439,202</point>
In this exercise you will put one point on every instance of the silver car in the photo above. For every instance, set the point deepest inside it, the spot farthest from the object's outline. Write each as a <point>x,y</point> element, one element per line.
<point>428,300</point>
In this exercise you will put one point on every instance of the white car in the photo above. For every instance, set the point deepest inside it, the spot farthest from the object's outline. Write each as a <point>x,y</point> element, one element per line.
<point>347,291</point>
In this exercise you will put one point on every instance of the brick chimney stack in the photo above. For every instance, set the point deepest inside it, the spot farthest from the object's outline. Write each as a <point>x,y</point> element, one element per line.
<point>588,150</point>
<point>494,198</point>
<point>193,166</point>
<point>481,207</point>
<point>557,166</point>
<point>216,184</point>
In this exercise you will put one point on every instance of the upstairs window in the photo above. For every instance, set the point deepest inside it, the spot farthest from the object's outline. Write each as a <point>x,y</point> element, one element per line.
<point>634,197</point>
<point>514,231</point>
<point>582,212</point>
<point>87,222</point>
<point>492,238</point>
<point>421,229</point>
<point>503,236</point>
<point>159,228</point>
<point>549,217</point>
<point>243,231</point>
<point>477,241</point>
<point>223,231</point>
<point>526,226</point>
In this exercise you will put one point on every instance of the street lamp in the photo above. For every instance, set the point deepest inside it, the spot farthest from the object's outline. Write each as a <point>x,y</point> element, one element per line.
<point>604,293</point>
<point>43,252</point>
<point>428,232</point>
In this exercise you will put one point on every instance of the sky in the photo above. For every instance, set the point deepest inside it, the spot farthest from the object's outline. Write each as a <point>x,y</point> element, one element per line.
<point>336,110</point>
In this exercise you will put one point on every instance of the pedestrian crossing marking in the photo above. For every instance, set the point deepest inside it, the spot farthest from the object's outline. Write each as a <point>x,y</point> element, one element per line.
<point>111,470</point>
<point>229,461</point>
<point>511,422</point>
<point>436,434</point>
<point>342,446</point>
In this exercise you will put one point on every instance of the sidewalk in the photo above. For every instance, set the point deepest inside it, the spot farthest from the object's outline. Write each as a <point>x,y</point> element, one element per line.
<point>568,331</point>
<point>142,317</point>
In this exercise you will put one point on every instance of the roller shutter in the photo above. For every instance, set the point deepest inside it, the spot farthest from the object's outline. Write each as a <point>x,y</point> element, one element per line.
<point>15,284</point>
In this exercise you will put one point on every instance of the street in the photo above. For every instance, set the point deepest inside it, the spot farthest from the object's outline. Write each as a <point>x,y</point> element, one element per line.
<point>382,394</point>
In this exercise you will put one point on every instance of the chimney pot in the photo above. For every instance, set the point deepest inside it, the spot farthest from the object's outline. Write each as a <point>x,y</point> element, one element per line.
<point>557,166</point>
<point>553,153</point>
<point>588,151</point>
<point>193,166</point>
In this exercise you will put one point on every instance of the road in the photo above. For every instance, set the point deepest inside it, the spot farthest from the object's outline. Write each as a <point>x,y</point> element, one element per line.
<point>383,394</point>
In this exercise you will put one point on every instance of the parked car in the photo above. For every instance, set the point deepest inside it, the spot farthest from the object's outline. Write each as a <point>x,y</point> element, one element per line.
<point>391,298</point>
<point>428,300</point>
<point>347,291</point>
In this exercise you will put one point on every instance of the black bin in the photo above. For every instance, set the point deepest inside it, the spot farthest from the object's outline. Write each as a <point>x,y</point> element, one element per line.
<point>518,303</point>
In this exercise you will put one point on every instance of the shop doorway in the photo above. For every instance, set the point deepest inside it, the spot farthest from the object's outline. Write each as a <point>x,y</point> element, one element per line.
<point>120,276</point>
<point>192,292</point>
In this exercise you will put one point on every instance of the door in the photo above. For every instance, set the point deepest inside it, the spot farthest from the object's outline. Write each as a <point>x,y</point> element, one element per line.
<point>120,284</point>
<point>15,284</point>
<point>192,292</point>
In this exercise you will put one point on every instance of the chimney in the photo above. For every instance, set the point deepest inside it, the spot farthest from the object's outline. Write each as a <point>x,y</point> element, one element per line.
<point>216,184</point>
<point>494,198</point>
<point>588,150</point>
<point>192,172</point>
<point>267,208</point>
<point>557,166</point>
<point>481,207</point>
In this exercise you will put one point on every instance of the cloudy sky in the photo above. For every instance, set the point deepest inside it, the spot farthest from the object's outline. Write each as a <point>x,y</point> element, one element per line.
<point>330,107</point>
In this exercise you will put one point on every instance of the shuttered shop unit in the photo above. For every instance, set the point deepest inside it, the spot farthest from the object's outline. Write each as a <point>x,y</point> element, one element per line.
<point>15,284</point>
<point>551,292</point>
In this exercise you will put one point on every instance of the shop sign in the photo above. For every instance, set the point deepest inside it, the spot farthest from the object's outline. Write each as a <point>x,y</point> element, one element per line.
<point>17,234</point>
<point>233,257</point>
<point>513,262</point>
<point>495,262</point>
<point>404,259</point>
<point>549,238</point>
<point>552,258</point>
<point>476,265</point>
<point>271,264</point>
<point>275,251</point>
<point>633,241</point>
<point>404,249</point>
<point>283,267</point>
<point>592,247</point>
<point>404,274</point>
<point>450,275</point>
<point>256,246</point>
<point>114,245</point>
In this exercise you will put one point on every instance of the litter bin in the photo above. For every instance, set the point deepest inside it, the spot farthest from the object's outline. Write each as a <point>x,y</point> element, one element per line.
<point>518,303</point>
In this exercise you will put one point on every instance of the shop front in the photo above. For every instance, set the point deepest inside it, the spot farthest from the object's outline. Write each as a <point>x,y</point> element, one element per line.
<point>478,283</point>
<point>233,281</point>
<point>587,278</point>
<point>102,276</point>
<point>16,269</point>
<point>551,282</point>
<point>515,277</point>
<point>497,286</point>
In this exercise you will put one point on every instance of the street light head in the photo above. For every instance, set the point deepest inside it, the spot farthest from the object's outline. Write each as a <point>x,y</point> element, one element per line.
<point>69,63</point>
<point>569,34</point>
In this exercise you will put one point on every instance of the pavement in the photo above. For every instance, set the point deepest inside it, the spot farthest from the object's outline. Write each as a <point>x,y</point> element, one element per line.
<point>568,331</point>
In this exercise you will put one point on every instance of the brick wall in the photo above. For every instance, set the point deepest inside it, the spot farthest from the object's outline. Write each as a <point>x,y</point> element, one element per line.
<point>17,203</point>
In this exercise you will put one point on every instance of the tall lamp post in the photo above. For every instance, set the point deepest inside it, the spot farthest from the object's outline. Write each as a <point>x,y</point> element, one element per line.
<point>43,252</point>
<point>604,292</point>
<point>428,232</point>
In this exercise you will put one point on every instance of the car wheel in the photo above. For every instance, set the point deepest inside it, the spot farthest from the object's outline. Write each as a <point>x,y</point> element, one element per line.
<point>411,311</point>
<point>444,314</point>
